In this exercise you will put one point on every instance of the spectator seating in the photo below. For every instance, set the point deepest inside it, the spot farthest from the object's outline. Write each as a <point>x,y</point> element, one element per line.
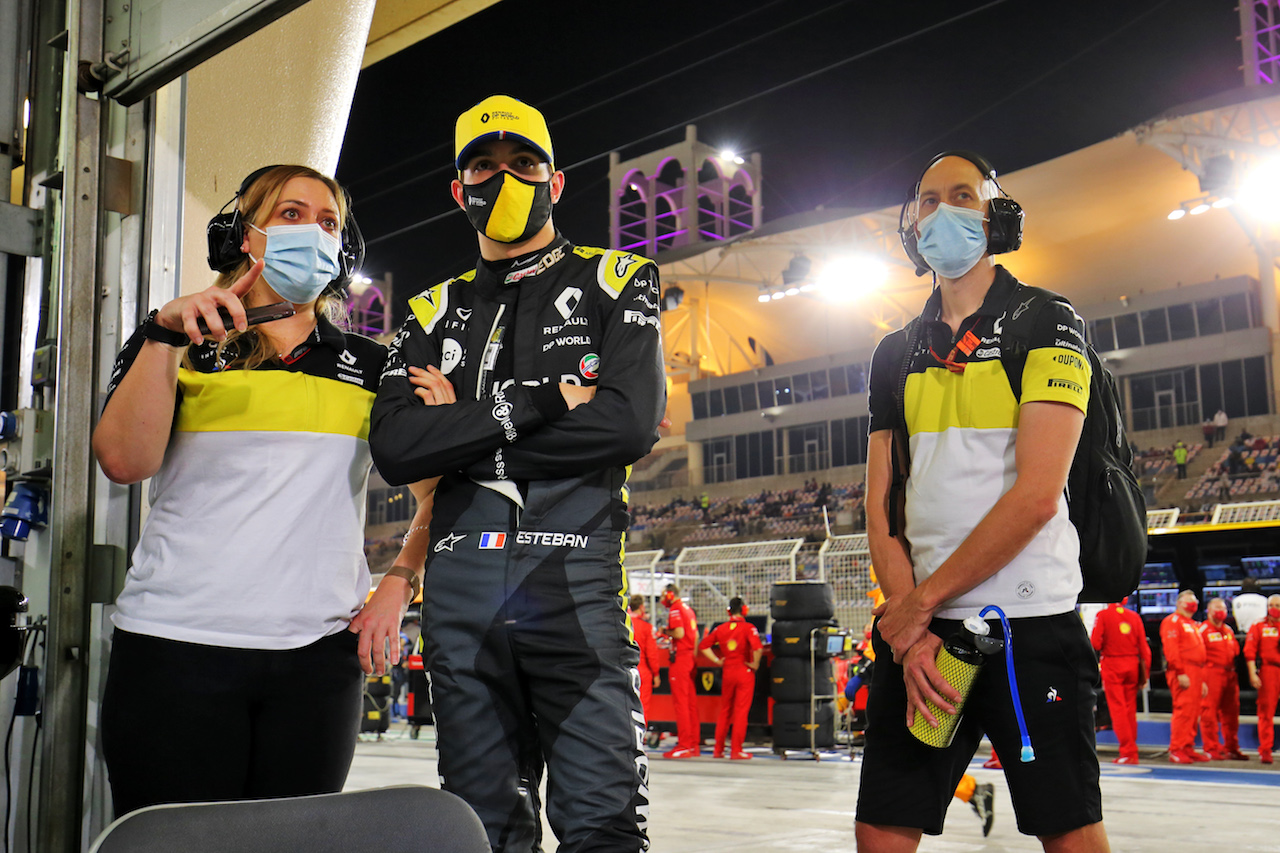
<point>1258,471</point>
<point>1157,462</point>
<point>768,515</point>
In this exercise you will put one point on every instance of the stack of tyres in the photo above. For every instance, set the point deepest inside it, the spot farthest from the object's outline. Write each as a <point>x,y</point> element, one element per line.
<point>796,679</point>
<point>791,600</point>
<point>798,607</point>
<point>791,725</point>
<point>792,638</point>
<point>377,704</point>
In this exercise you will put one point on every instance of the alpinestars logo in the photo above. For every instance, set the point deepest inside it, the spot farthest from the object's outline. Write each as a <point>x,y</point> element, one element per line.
<point>1017,312</point>
<point>1052,696</point>
<point>447,543</point>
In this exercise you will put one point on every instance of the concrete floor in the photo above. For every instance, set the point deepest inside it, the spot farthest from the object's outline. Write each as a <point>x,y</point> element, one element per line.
<point>797,804</point>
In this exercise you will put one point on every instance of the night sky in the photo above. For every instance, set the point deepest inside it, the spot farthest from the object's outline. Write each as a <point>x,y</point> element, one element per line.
<point>886,85</point>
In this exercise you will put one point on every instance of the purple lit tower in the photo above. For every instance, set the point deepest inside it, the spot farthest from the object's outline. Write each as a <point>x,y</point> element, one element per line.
<point>1260,41</point>
<point>681,195</point>
<point>367,303</point>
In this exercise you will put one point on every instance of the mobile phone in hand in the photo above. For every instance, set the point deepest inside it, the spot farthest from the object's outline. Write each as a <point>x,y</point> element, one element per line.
<point>259,314</point>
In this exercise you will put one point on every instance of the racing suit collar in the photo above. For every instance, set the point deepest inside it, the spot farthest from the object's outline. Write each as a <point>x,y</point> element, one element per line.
<point>491,276</point>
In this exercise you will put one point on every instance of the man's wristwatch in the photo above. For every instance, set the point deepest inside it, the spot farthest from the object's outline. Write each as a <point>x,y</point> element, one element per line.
<point>415,582</point>
<point>152,330</point>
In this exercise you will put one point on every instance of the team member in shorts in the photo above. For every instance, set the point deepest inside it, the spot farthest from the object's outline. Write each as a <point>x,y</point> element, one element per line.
<point>985,522</point>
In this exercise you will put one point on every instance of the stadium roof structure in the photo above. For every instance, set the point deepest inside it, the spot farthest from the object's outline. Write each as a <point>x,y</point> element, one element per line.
<point>1097,229</point>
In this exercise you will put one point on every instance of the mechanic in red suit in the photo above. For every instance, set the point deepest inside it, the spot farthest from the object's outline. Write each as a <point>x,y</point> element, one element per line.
<point>650,663</point>
<point>1119,637</point>
<point>682,628</point>
<point>1221,707</point>
<point>1184,670</point>
<point>1262,654</point>
<point>738,651</point>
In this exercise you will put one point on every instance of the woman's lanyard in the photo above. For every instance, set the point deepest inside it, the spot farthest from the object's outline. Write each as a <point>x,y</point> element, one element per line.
<point>967,344</point>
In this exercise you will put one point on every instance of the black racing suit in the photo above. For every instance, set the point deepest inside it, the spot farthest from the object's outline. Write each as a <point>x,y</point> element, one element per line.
<point>530,653</point>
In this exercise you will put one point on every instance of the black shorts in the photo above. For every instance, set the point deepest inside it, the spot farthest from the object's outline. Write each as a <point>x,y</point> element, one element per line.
<point>906,783</point>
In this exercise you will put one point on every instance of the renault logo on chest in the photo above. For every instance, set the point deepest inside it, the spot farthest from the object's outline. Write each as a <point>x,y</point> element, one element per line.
<point>567,302</point>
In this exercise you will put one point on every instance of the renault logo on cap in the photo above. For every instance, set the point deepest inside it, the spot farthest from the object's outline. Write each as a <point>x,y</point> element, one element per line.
<point>484,118</point>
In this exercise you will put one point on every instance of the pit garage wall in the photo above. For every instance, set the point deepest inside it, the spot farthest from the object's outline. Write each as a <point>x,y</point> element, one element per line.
<point>280,96</point>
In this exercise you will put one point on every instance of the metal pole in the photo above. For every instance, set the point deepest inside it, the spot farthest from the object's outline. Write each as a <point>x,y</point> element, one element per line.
<point>63,753</point>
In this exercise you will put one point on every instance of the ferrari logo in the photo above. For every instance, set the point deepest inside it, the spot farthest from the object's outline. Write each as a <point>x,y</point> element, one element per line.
<point>708,680</point>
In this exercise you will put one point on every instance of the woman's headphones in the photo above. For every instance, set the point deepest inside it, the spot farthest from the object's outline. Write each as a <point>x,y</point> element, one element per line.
<point>226,236</point>
<point>1004,217</point>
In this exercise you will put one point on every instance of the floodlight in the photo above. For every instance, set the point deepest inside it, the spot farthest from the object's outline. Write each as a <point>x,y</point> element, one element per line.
<point>850,278</point>
<point>1177,213</point>
<point>1199,208</point>
<point>1225,201</point>
<point>1260,191</point>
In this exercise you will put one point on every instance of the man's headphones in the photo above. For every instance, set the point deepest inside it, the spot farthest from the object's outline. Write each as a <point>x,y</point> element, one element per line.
<point>226,236</point>
<point>1004,216</point>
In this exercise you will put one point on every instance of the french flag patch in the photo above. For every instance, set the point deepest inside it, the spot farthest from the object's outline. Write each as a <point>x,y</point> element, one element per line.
<point>492,541</point>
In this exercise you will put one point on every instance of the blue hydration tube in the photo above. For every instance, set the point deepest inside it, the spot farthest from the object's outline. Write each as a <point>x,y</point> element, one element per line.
<point>1028,754</point>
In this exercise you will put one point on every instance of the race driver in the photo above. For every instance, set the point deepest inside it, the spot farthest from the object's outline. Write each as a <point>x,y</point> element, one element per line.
<point>543,378</point>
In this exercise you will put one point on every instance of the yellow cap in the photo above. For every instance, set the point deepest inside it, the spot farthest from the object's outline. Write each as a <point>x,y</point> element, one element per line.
<point>501,117</point>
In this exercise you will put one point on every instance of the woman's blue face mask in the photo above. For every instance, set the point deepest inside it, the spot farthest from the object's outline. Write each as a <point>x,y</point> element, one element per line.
<point>301,260</point>
<point>952,239</point>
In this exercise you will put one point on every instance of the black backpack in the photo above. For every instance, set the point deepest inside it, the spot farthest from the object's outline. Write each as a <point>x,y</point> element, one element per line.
<point>1104,499</point>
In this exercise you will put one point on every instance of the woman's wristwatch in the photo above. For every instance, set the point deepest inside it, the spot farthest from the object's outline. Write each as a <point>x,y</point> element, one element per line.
<point>151,330</point>
<point>415,582</point>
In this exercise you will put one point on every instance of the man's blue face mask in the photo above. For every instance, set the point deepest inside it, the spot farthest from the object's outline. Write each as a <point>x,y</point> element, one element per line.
<point>301,260</point>
<point>952,240</point>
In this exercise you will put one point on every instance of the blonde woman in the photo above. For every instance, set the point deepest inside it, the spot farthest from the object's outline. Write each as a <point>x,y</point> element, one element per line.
<point>240,638</point>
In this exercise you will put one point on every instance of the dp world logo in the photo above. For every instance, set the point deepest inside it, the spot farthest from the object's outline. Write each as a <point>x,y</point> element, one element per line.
<point>589,367</point>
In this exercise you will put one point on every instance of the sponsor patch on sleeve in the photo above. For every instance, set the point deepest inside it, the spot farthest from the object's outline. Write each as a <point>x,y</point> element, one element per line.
<point>1057,375</point>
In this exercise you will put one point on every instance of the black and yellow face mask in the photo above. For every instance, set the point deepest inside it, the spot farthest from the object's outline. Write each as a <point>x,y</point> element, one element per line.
<point>506,208</point>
